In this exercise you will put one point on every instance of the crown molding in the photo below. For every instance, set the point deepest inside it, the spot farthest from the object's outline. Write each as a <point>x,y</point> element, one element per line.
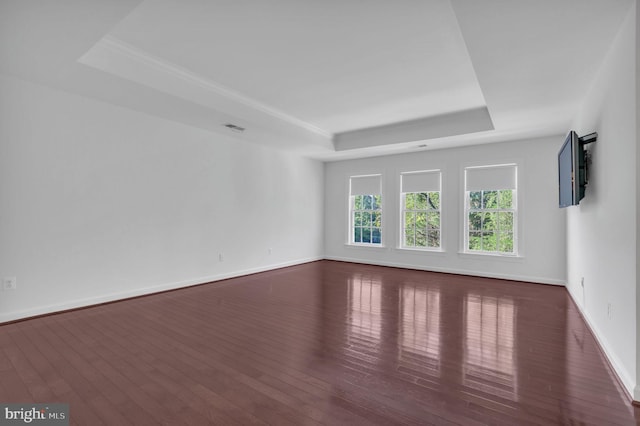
<point>120,47</point>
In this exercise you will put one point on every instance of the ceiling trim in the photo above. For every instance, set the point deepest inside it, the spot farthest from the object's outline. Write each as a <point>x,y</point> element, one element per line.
<point>120,47</point>
<point>440,126</point>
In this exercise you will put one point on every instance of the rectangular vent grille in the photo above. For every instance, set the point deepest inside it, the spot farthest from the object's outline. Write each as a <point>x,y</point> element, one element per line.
<point>234,127</point>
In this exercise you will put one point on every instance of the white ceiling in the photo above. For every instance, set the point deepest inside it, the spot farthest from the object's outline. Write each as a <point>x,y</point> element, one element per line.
<point>328,79</point>
<point>340,67</point>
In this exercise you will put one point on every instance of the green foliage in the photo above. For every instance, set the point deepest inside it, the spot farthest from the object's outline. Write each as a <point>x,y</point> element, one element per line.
<point>422,219</point>
<point>434,200</point>
<point>409,237</point>
<point>505,221</point>
<point>421,238</point>
<point>489,241</point>
<point>475,242</point>
<point>491,229</point>
<point>367,202</point>
<point>377,202</point>
<point>506,243</point>
<point>475,200</point>
<point>358,202</point>
<point>421,201</point>
<point>433,220</point>
<point>433,238</point>
<point>376,219</point>
<point>489,199</point>
<point>410,201</point>
<point>489,221</point>
<point>505,200</point>
<point>367,219</point>
<point>475,221</point>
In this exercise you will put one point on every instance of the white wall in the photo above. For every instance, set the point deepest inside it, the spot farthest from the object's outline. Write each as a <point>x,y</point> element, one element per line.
<point>542,230</point>
<point>601,231</point>
<point>100,202</point>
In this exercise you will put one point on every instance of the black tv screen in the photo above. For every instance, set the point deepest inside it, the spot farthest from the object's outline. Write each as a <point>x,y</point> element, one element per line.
<point>571,171</point>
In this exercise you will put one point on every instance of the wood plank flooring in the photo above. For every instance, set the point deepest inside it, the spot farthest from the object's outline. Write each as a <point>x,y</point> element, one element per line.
<point>321,343</point>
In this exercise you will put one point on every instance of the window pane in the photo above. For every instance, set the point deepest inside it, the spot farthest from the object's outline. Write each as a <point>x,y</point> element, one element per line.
<point>475,221</point>
<point>357,202</point>
<point>506,199</point>
<point>366,235</point>
<point>475,199</point>
<point>505,221</point>
<point>433,239</point>
<point>421,201</point>
<point>357,219</point>
<point>489,241</point>
<point>433,220</point>
<point>434,200</point>
<point>421,221</point>
<point>376,236</point>
<point>421,238</point>
<point>366,202</point>
<point>409,201</point>
<point>489,199</point>
<point>409,237</point>
<point>409,219</point>
<point>366,219</point>
<point>377,219</point>
<point>489,221</point>
<point>506,242</point>
<point>376,202</point>
<point>475,241</point>
<point>357,235</point>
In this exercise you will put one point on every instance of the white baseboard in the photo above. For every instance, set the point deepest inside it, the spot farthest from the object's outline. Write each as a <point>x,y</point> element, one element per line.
<point>526,278</point>
<point>112,297</point>
<point>623,375</point>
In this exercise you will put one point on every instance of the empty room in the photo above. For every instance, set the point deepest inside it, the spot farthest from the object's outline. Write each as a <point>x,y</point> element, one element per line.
<point>225,212</point>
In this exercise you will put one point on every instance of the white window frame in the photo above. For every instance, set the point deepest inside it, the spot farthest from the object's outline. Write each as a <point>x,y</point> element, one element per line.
<point>514,210</point>
<point>353,211</point>
<point>433,188</point>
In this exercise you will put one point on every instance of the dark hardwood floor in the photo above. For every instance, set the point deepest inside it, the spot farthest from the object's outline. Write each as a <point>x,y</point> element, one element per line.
<point>321,343</point>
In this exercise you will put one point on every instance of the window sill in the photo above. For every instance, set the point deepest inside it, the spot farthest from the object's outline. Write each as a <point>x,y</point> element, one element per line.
<point>430,251</point>
<point>492,256</point>
<point>365,246</point>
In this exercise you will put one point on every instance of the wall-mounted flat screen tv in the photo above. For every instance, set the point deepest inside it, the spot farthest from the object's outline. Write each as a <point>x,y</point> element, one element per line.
<point>571,171</point>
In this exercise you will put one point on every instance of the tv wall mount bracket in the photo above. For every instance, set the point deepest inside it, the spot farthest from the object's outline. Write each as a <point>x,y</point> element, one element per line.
<point>586,140</point>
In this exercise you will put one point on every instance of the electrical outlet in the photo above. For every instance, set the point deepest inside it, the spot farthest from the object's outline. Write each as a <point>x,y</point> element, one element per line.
<point>609,310</point>
<point>9,283</point>
<point>220,257</point>
<point>270,250</point>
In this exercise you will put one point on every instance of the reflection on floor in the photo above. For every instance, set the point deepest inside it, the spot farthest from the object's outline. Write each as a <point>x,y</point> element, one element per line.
<point>489,355</point>
<point>419,340</point>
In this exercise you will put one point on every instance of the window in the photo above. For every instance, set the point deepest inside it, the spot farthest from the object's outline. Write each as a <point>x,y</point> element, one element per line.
<point>420,207</point>
<point>365,210</point>
<point>491,209</point>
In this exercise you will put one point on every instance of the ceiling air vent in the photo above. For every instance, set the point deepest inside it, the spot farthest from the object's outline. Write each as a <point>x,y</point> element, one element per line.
<point>234,127</point>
